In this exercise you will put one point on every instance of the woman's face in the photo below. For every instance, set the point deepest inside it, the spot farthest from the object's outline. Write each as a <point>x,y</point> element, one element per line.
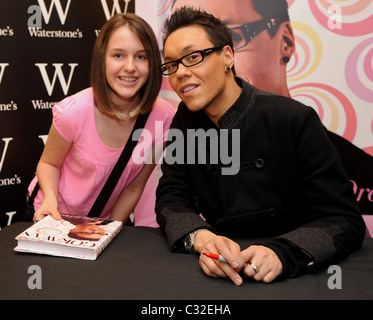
<point>127,66</point>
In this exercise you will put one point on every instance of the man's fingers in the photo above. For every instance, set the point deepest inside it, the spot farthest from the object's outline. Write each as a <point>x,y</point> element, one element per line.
<point>262,263</point>
<point>210,268</point>
<point>215,268</point>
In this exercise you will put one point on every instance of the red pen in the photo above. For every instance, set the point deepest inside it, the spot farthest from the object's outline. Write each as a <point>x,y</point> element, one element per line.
<point>217,257</point>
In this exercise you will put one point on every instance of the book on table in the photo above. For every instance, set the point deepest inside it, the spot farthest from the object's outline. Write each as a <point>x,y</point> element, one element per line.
<point>74,236</point>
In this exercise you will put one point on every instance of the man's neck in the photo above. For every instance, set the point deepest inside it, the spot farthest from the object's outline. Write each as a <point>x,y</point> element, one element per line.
<point>223,101</point>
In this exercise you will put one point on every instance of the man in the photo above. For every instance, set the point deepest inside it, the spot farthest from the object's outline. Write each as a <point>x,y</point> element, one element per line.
<point>290,182</point>
<point>262,62</point>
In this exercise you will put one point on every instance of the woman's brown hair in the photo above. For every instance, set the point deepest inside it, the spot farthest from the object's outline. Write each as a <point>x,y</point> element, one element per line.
<point>149,92</point>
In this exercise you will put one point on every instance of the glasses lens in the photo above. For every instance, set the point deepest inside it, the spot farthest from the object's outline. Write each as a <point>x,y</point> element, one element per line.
<point>192,59</point>
<point>169,68</point>
<point>163,69</point>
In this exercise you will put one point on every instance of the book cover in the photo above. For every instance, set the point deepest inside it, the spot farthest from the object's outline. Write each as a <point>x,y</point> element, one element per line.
<point>74,236</point>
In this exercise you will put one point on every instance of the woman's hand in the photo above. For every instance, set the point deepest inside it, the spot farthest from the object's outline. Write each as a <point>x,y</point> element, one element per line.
<point>46,209</point>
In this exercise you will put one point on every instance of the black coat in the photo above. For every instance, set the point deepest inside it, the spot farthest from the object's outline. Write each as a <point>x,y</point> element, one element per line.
<point>290,184</point>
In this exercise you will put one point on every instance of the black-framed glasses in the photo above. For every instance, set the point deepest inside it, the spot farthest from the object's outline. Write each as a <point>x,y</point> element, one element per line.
<point>242,35</point>
<point>189,60</point>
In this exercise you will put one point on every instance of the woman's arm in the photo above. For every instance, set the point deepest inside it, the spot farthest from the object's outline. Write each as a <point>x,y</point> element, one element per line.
<point>48,173</point>
<point>129,197</point>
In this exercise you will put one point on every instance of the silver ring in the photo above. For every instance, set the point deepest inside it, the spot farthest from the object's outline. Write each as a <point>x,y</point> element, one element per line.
<point>255,267</point>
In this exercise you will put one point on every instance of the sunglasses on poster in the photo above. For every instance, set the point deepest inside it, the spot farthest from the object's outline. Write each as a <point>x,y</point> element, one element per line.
<point>242,35</point>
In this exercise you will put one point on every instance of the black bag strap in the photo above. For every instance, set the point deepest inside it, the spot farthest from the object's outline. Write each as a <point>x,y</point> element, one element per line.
<point>32,196</point>
<point>118,169</point>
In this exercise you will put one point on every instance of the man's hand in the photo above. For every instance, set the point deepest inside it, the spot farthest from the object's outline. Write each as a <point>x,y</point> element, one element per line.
<point>206,241</point>
<point>269,264</point>
<point>264,258</point>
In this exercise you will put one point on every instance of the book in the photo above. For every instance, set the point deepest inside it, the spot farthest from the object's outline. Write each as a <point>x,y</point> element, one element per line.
<point>74,236</point>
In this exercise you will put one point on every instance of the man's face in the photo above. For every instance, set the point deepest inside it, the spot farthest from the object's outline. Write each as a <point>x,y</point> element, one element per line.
<point>89,231</point>
<point>201,86</point>
<point>259,61</point>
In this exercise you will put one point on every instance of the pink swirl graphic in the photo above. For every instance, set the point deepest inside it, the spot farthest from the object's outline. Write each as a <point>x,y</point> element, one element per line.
<point>292,72</point>
<point>309,52</point>
<point>351,70</point>
<point>368,65</point>
<point>290,3</point>
<point>347,29</point>
<point>163,6</point>
<point>369,150</point>
<point>353,9</point>
<point>314,91</point>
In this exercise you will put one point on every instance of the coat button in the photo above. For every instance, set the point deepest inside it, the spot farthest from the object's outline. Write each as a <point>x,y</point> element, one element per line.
<point>259,163</point>
<point>272,213</point>
<point>214,171</point>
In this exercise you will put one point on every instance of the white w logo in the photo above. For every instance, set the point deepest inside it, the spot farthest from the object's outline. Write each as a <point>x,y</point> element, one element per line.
<point>57,3</point>
<point>58,73</point>
<point>116,8</point>
<point>2,69</point>
<point>6,140</point>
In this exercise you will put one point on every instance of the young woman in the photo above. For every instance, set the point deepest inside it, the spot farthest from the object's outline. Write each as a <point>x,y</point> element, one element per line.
<point>91,128</point>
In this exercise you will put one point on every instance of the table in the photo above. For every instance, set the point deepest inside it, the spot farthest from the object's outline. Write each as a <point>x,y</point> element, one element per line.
<point>138,265</point>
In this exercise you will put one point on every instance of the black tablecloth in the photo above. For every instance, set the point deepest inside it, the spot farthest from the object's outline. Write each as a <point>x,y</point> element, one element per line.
<point>138,265</point>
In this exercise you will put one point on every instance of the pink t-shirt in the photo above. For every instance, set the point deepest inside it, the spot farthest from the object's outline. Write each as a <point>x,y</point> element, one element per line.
<point>89,161</point>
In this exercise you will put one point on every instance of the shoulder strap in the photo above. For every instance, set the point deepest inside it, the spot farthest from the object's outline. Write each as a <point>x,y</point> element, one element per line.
<point>117,171</point>
<point>31,199</point>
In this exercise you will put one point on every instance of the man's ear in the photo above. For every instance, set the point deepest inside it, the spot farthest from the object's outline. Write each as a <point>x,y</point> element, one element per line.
<point>229,56</point>
<point>288,40</point>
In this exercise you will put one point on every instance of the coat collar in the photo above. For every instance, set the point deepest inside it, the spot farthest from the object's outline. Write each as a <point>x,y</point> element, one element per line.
<point>240,108</point>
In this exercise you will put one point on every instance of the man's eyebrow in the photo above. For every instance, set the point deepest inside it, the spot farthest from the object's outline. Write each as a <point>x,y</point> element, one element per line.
<point>185,49</point>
